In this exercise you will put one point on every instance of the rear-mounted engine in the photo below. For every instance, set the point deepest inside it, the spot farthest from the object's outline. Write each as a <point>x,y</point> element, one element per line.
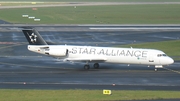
<point>56,52</point>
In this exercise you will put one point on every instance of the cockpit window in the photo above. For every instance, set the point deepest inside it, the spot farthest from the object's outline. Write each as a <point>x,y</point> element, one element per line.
<point>160,55</point>
<point>164,54</point>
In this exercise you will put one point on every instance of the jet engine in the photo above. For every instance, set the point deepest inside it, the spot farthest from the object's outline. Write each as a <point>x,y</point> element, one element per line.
<point>56,52</point>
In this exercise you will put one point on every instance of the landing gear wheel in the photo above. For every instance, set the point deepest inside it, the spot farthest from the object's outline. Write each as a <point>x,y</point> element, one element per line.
<point>86,67</point>
<point>96,65</point>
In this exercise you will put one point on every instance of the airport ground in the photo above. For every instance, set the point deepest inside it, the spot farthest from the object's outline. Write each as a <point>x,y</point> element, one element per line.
<point>21,69</point>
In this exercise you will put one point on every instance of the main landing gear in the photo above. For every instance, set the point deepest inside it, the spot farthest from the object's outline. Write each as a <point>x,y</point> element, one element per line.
<point>96,65</point>
<point>87,67</point>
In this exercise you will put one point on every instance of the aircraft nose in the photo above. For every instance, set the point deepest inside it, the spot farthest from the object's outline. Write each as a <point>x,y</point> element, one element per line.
<point>171,61</point>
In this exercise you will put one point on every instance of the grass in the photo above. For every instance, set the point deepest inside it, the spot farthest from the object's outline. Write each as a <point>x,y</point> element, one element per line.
<point>171,48</point>
<point>89,1</point>
<point>120,14</point>
<point>83,95</point>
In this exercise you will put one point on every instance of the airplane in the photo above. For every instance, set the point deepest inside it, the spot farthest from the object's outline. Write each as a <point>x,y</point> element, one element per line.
<point>94,54</point>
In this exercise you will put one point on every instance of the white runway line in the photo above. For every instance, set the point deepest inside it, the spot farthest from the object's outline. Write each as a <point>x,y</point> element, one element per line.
<point>134,28</point>
<point>14,45</point>
<point>175,71</point>
<point>80,83</point>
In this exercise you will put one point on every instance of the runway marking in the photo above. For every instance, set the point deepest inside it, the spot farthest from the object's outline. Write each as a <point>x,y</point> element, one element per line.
<point>40,72</point>
<point>23,56</point>
<point>12,46</point>
<point>8,43</point>
<point>134,28</point>
<point>4,63</point>
<point>92,84</point>
<point>178,72</point>
<point>89,4</point>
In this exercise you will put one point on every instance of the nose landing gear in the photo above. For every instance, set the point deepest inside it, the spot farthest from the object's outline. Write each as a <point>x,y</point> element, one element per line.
<point>157,66</point>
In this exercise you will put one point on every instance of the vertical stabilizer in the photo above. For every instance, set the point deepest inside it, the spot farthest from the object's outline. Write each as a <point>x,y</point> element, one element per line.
<point>33,37</point>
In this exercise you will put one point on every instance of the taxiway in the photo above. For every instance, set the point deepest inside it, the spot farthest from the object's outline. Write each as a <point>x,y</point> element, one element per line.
<point>21,69</point>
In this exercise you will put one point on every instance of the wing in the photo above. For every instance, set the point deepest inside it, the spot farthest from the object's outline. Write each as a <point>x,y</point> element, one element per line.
<point>89,59</point>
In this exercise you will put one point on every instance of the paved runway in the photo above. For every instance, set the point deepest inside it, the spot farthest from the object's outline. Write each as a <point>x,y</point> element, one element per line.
<point>40,4</point>
<point>21,69</point>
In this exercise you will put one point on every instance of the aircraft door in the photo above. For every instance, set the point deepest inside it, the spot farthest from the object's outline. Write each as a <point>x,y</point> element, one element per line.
<point>151,58</point>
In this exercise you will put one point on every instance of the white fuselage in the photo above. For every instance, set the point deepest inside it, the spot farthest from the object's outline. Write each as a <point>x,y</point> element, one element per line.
<point>104,54</point>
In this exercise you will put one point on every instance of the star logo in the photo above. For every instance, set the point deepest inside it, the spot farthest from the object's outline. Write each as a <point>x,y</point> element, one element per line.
<point>33,38</point>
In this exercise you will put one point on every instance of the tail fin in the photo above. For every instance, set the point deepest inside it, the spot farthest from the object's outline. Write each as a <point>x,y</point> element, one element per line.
<point>33,37</point>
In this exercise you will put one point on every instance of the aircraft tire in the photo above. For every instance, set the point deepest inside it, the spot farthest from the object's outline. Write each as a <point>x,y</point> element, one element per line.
<point>86,67</point>
<point>96,65</point>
